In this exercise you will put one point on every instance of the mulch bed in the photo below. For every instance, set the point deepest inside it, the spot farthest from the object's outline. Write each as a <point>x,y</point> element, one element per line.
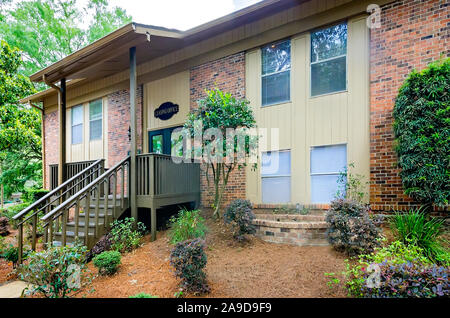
<point>253,269</point>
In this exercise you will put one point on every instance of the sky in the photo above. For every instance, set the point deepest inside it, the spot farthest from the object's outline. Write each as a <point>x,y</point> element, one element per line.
<point>179,14</point>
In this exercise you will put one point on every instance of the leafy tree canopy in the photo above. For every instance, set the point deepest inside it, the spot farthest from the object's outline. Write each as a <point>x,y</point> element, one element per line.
<point>422,131</point>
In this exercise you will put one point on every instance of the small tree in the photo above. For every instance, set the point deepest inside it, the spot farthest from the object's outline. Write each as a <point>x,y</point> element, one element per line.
<point>422,131</point>
<point>222,112</point>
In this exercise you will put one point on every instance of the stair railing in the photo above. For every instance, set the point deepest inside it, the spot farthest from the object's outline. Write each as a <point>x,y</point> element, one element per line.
<point>105,184</point>
<point>54,197</point>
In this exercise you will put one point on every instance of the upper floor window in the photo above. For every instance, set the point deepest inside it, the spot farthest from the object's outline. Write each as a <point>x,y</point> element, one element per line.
<point>329,60</point>
<point>77,125</point>
<point>276,73</point>
<point>95,119</point>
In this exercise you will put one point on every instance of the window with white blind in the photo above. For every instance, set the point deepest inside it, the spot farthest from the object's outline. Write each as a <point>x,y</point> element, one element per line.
<point>329,60</point>
<point>276,176</point>
<point>276,73</point>
<point>95,120</point>
<point>77,125</point>
<point>326,164</point>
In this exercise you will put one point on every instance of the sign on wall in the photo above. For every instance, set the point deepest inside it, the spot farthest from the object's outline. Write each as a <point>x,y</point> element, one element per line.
<point>166,110</point>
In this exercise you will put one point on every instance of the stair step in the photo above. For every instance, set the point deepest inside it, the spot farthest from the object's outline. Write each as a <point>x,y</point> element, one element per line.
<point>92,215</point>
<point>81,224</point>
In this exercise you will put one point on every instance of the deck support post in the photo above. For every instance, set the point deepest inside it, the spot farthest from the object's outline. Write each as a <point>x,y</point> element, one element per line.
<point>133,167</point>
<point>152,193</point>
<point>62,132</point>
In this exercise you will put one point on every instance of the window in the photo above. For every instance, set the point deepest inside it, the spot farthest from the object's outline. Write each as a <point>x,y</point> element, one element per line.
<point>329,60</point>
<point>326,164</point>
<point>77,125</point>
<point>95,120</point>
<point>276,73</point>
<point>157,143</point>
<point>276,177</point>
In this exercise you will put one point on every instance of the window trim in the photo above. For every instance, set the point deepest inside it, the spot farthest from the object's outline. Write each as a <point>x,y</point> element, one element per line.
<point>92,120</point>
<point>80,124</point>
<point>327,60</point>
<point>277,72</point>
<point>277,176</point>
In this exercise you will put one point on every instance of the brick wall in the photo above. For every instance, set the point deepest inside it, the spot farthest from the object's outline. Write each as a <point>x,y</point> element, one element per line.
<point>413,33</point>
<point>119,122</point>
<point>227,74</point>
<point>51,133</point>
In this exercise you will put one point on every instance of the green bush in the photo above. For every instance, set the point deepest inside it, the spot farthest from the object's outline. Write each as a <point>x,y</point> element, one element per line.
<point>421,127</point>
<point>56,271</point>
<point>239,213</point>
<point>107,262</point>
<point>189,258</point>
<point>32,195</point>
<point>11,254</point>
<point>143,295</point>
<point>124,237</point>
<point>416,228</point>
<point>351,230</point>
<point>186,226</point>
<point>12,211</point>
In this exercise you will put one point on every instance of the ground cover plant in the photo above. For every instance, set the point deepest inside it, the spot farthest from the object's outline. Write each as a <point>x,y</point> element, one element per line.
<point>124,237</point>
<point>107,262</point>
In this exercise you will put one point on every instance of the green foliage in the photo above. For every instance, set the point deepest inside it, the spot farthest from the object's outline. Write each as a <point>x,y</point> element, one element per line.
<point>189,258</point>
<point>56,271</point>
<point>404,272</point>
<point>32,195</point>
<point>11,254</point>
<point>48,31</point>
<point>351,230</point>
<point>352,186</point>
<point>239,213</point>
<point>13,210</point>
<point>422,132</point>
<point>416,228</point>
<point>107,262</point>
<point>143,295</point>
<point>187,225</point>
<point>221,111</point>
<point>124,237</point>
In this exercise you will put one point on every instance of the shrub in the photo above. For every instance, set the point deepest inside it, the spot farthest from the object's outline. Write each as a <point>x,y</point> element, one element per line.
<point>351,230</point>
<point>186,226</point>
<point>123,235</point>
<point>414,227</point>
<point>55,272</point>
<point>143,295</point>
<point>33,195</point>
<point>103,245</point>
<point>13,210</point>
<point>189,258</point>
<point>421,121</point>
<point>11,254</point>
<point>107,262</point>
<point>239,213</point>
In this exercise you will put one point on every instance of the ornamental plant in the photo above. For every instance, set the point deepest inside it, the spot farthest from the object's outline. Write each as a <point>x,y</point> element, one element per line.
<point>189,259</point>
<point>107,262</point>
<point>221,111</point>
<point>56,271</point>
<point>422,132</point>
<point>124,237</point>
<point>186,226</point>
<point>240,215</point>
<point>351,229</point>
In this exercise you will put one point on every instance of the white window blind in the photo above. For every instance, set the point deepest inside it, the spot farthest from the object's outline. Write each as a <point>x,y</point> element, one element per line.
<point>276,177</point>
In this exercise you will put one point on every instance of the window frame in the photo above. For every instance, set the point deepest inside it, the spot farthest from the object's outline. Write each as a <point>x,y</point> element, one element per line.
<point>311,174</point>
<point>80,124</point>
<point>92,120</point>
<point>327,60</point>
<point>289,100</point>
<point>278,175</point>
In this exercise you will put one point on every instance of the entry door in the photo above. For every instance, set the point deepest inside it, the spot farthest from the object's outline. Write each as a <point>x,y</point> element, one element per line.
<point>160,141</point>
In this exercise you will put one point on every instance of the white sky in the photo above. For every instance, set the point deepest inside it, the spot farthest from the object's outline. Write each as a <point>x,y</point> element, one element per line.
<point>178,14</point>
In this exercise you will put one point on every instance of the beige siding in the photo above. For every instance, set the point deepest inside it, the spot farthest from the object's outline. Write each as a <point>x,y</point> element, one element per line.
<point>87,150</point>
<point>175,89</point>
<point>315,121</point>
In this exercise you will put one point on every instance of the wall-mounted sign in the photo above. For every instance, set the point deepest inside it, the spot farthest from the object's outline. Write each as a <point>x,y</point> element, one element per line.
<point>166,110</point>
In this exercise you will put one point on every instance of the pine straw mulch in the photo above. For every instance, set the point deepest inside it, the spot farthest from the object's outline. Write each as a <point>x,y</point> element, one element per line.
<point>253,269</point>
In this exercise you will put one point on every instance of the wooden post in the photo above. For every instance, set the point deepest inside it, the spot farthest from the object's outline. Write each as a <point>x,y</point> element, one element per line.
<point>151,174</point>
<point>62,132</point>
<point>133,89</point>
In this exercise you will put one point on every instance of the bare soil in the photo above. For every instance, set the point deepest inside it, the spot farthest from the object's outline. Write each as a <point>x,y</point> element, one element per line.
<point>253,269</point>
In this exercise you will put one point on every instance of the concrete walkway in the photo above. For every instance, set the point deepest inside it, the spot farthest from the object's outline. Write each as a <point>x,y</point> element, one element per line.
<point>13,289</point>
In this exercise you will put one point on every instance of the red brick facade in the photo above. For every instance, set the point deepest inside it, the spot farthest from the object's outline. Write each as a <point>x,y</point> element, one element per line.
<point>51,133</point>
<point>119,123</point>
<point>413,33</point>
<point>227,74</point>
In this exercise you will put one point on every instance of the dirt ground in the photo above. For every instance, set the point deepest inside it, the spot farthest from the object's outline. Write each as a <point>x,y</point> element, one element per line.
<point>254,269</point>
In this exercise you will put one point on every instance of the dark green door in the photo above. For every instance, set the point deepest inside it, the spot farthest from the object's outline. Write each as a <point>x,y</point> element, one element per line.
<point>160,141</point>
